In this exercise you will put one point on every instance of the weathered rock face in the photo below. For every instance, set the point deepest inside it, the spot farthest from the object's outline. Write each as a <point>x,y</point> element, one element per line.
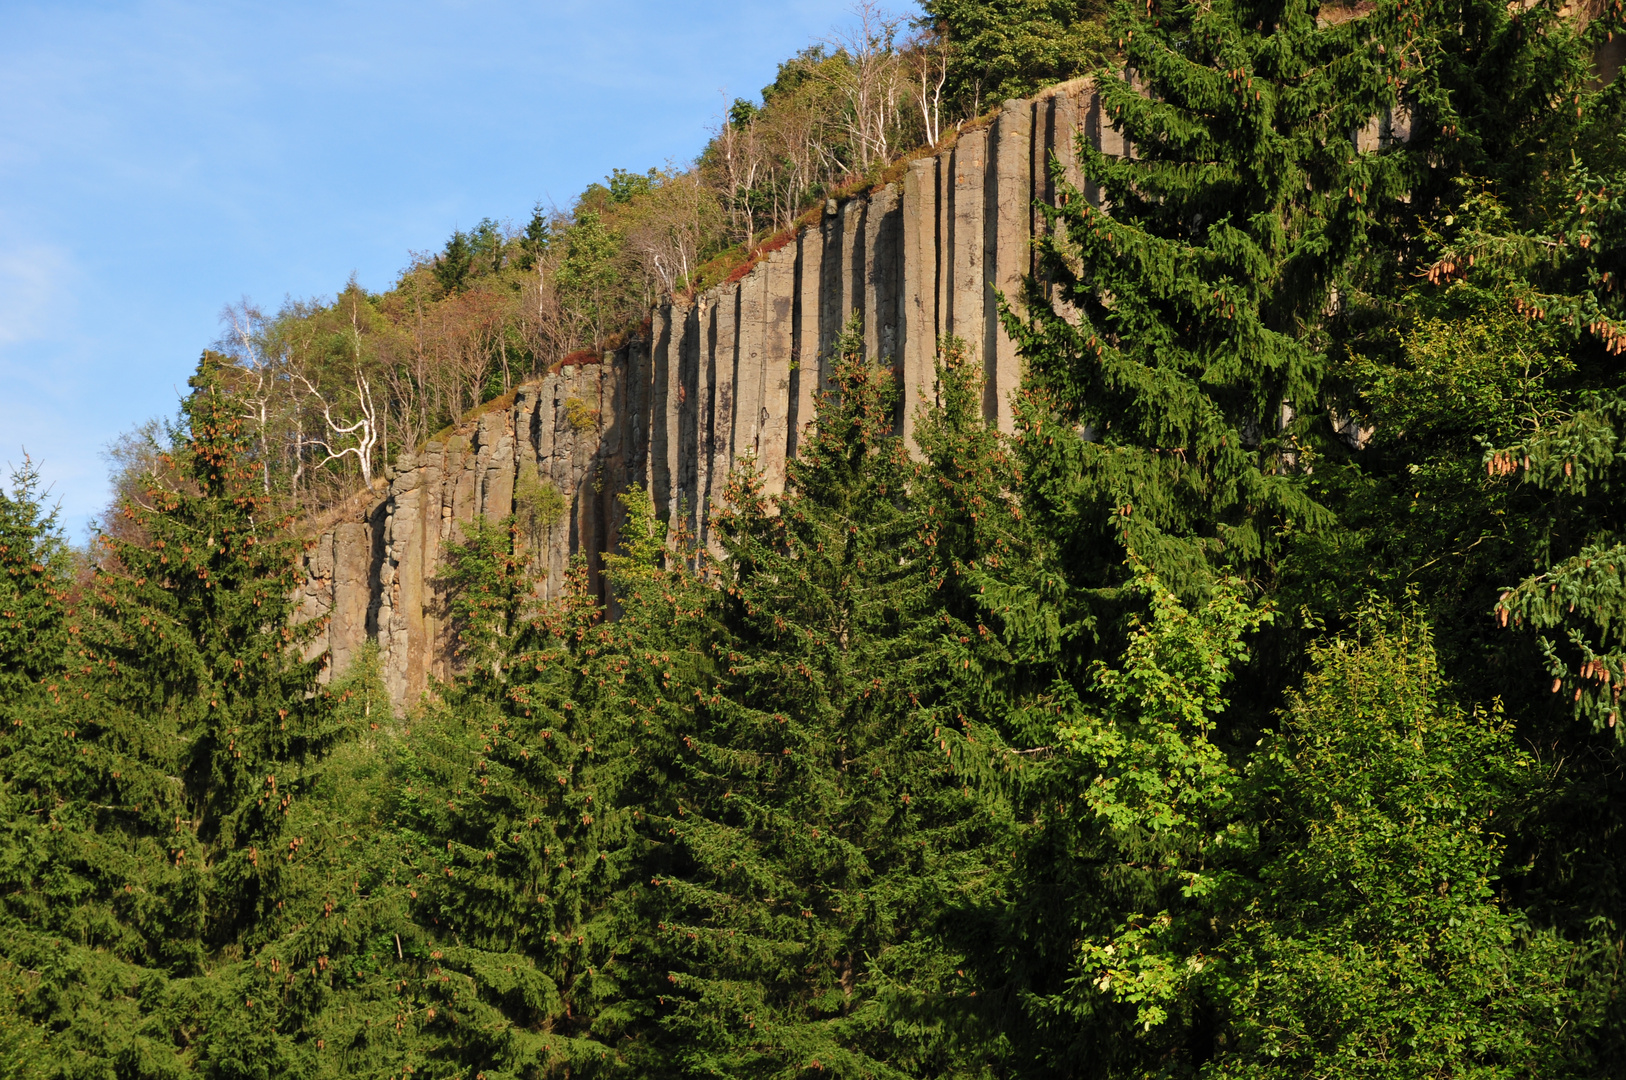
<point>729,375</point>
<point>376,572</point>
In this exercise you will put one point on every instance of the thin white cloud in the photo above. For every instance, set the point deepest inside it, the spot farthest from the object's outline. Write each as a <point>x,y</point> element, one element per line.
<point>35,292</point>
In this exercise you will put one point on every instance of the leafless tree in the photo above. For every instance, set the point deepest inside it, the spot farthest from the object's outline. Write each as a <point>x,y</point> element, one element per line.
<point>539,321</point>
<point>739,152</point>
<point>797,133</point>
<point>470,326</point>
<point>362,432</point>
<point>260,371</point>
<point>928,56</point>
<point>668,233</point>
<point>404,392</point>
<point>871,81</point>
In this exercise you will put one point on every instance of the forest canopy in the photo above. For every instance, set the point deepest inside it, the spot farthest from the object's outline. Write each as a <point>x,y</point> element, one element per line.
<point>1250,710</point>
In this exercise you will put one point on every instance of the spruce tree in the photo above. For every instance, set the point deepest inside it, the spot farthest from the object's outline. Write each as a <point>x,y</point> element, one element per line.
<point>201,641</point>
<point>94,913</point>
<point>35,589</point>
<point>822,797</point>
<point>1173,334</point>
<point>155,774</point>
<point>1494,320</point>
<point>1556,275</point>
<point>511,800</point>
<point>341,989</point>
<point>1004,608</point>
<point>1483,371</point>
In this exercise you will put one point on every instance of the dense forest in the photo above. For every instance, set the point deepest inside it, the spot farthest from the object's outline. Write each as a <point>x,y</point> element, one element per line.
<point>1250,711</point>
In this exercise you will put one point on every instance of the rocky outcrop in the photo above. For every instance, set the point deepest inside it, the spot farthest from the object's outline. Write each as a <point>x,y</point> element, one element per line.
<point>734,371</point>
<point>376,571</point>
<point>728,374</point>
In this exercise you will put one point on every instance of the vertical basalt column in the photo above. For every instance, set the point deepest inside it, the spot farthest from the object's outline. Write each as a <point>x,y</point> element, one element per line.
<point>522,423</point>
<point>544,437</point>
<point>1109,141</point>
<point>403,586</point>
<point>652,410</point>
<point>315,599</point>
<point>593,389</point>
<point>352,592</point>
<point>919,300</point>
<point>853,268</point>
<point>461,477</point>
<point>882,273</point>
<point>496,464</point>
<point>711,345</point>
<point>664,407</point>
<point>382,618</point>
<point>711,332</point>
<point>378,525</point>
<point>943,271</point>
<point>870,274</point>
<point>557,469</point>
<point>458,508</point>
<point>635,435</point>
<point>746,431</point>
<point>831,316</point>
<point>658,477</point>
<point>778,338</point>
<point>696,343</point>
<point>424,626</point>
<point>968,286</point>
<point>610,474</point>
<point>568,463</point>
<point>399,539</point>
<point>1071,119</point>
<point>1044,141</point>
<point>725,357</point>
<point>563,470</point>
<point>1075,116</point>
<point>808,345</point>
<point>1058,118</point>
<point>1007,225</point>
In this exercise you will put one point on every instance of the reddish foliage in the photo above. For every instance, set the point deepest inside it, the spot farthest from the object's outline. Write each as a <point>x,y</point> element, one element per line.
<point>774,243</point>
<point>581,358</point>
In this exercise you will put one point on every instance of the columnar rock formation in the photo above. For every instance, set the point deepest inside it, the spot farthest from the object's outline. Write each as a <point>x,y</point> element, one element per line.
<point>727,375</point>
<point>376,571</point>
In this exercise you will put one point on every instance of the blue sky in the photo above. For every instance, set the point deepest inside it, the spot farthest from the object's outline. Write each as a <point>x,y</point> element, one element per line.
<point>161,159</point>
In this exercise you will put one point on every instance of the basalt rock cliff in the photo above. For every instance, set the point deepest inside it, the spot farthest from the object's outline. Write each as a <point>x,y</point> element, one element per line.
<point>728,374</point>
